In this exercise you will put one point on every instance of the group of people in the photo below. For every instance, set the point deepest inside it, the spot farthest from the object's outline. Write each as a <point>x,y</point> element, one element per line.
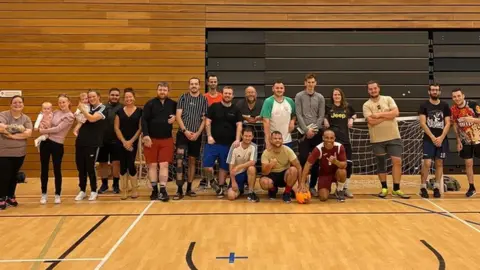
<point>109,134</point>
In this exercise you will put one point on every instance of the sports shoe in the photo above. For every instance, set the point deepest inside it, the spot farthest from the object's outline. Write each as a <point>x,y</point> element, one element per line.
<point>191,193</point>
<point>340,195</point>
<point>436,193</point>
<point>348,193</point>
<point>81,195</point>
<point>43,199</point>
<point>202,185</point>
<point>178,196</point>
<point>314,192</point>
<point>220,193</point>
<point>272,194</point>
<point>400,194</point>
<point>424,193</point>
<point>471,192</point>
<point>116,189</point>
<point>57,200</point>
<point>252,197</point>
<point>103,188</point>
<point>215,186</point>
<point>287,198</point>
<point>3,204</point>
<point>383,193</point>
<point>12,202</point>
<point>93,196</point>
<point>163,195</point>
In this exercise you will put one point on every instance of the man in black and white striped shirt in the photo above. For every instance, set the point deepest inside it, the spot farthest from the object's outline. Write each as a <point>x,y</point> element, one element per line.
<point>191,113</point>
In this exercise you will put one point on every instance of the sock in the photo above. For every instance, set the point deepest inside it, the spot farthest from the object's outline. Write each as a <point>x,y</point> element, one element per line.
<point>189,186</point>
<point>104,181</point>
<point>425,185</point>
<point>154,186</point>
<point>162,187</point>
<point>180,189</point>
<point>345,185</point>
<point>471,186</point>
<point>436,185</point>
<point>288,189</point>
<point>340,186</point>
<point>384,184</point>
<point>396,187</point>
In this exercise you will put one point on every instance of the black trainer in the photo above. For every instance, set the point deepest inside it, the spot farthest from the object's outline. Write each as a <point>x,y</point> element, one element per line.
<point>178,196</point>
<point>103,188</point>
<point>340,194</point>
<point>3,204</point>
<point>252,197</point>
<point>272,194</point>
<point>215,186</point>
<point>220,193</point>
<point>163,195</point>
<point>11,202</point>
<point>424,193</point>
<point>471,192</point>
<point>191,193</point>
<point>154,194</point>
<point>202,185</point>
<point>287,197</point>
<point>436,193</point>
<point>116,189</point>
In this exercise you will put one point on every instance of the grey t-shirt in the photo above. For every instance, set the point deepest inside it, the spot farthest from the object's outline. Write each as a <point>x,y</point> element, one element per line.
<point>9,147</point>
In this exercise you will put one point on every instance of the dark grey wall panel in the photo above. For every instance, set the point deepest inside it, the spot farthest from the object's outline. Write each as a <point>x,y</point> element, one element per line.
<point>239,90</point>
<point>456,64</point>
<point>457,77</point>
<point>470,91</point>
<point>358,91</point>
<point>456,51</point>
<point>294,51</point>
<point>230,78</point>
<point>384,78</point>
<point>347,37</point>
<point>332,64</point>
<point>456,37</point>
<point>236,50</point>
<point>246,64</point>
<point>242,37</point>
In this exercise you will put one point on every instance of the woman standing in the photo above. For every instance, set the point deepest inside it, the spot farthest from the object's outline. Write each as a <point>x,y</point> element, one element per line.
<point>62,121</point>
<point>127,128</point>
<point>89,140</point>
<point>339,118</point>
<point>15,128</point>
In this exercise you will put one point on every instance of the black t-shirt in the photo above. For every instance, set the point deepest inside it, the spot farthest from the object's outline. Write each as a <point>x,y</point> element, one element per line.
<point>245,110</point>
<point>111,111</point>
<point>129,125</point>
<point>338,119</point>
<point>435,115</point>
<point>155,118</point>
<point>224,122</point>
<point>91,134</point>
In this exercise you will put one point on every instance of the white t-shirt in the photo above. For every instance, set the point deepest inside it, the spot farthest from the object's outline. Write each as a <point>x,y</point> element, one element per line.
<point>240,155</point>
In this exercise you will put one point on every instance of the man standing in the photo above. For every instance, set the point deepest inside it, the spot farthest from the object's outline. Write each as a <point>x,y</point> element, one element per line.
<point>278,113</point>
<point>310,112</point>
<point>157,125</point>
<point>224,128</point>
<point>435,122</point>
<point>381,112</point>
<point>250,107</point>
<point>333,167</point>
<point>213,96</point>
<point>191,112</point>
<point>280,168</point>
<point>466,123</point>
<point>110,151</point>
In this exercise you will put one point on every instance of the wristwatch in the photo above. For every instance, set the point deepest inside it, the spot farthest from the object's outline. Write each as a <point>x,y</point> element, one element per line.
<point>183,130</point>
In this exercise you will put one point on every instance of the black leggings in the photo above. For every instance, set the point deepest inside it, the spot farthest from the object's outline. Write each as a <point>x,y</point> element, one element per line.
<point>10,166</point>
<point>50,148</point>
<point>127,160</point>
<point>85,158</point>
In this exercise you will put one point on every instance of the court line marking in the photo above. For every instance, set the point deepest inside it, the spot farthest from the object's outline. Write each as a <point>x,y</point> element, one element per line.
<point>125,234</point>
<point>452,215</point>
<point>49,260</point>
<point>49,242</point>
<point>441,260</point>
<point>189,255</point>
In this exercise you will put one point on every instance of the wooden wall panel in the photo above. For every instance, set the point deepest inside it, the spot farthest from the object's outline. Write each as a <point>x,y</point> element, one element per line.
<point>53,46</point>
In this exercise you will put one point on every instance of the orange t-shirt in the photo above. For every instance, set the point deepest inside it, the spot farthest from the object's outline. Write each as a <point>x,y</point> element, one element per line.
<point>215,99</point>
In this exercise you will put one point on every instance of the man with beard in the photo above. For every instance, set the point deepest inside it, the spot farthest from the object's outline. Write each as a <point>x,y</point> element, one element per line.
<point>250,107</point>
<point>213,96</point>
<point>191,112</point>
<point>310,111</point>
<point>435,122</point>
<point>381,112</point>
<point>280,168</point>
<point>157,125</point>
<point>278,113</point>
<point>466,123</point>
<point>333,167</point>
<point>110,151</point>
<point>224,129</point>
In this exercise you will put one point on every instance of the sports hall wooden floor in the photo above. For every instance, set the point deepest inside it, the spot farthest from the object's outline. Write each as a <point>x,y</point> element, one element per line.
<point>206,233</point>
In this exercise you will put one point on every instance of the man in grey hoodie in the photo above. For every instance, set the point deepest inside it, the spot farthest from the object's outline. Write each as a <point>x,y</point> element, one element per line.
<point>310,112</point>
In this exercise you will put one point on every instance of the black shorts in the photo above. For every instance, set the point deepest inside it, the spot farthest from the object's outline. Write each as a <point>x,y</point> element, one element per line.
<point>470,150</point>
<point>109,152</point>
<point>431,151</point>
<point>278,178</point>
<point>192,147</point>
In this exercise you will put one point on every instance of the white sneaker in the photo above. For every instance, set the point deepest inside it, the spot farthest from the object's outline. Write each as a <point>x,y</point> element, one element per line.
<point>43,200</point>
<point>93,196</point>
<point>57,199</point>
<point>81,195</point>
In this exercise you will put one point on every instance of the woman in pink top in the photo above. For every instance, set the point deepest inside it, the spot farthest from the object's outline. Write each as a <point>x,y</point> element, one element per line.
<point>62,121</point>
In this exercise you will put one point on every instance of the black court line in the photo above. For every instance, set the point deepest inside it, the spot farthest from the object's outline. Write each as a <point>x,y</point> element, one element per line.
<point>441,261</point>
<point>76,244</point>
<point>189,255</point>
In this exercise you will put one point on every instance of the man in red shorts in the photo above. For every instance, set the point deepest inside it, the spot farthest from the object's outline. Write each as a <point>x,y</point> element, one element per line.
<point>333,164</point>
<point>157,126</point>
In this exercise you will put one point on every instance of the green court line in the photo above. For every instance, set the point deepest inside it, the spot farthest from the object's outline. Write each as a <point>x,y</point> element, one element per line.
<point>48,244</point>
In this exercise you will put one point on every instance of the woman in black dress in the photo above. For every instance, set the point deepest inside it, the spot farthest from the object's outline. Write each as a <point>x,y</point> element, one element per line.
<point>127,128</point>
